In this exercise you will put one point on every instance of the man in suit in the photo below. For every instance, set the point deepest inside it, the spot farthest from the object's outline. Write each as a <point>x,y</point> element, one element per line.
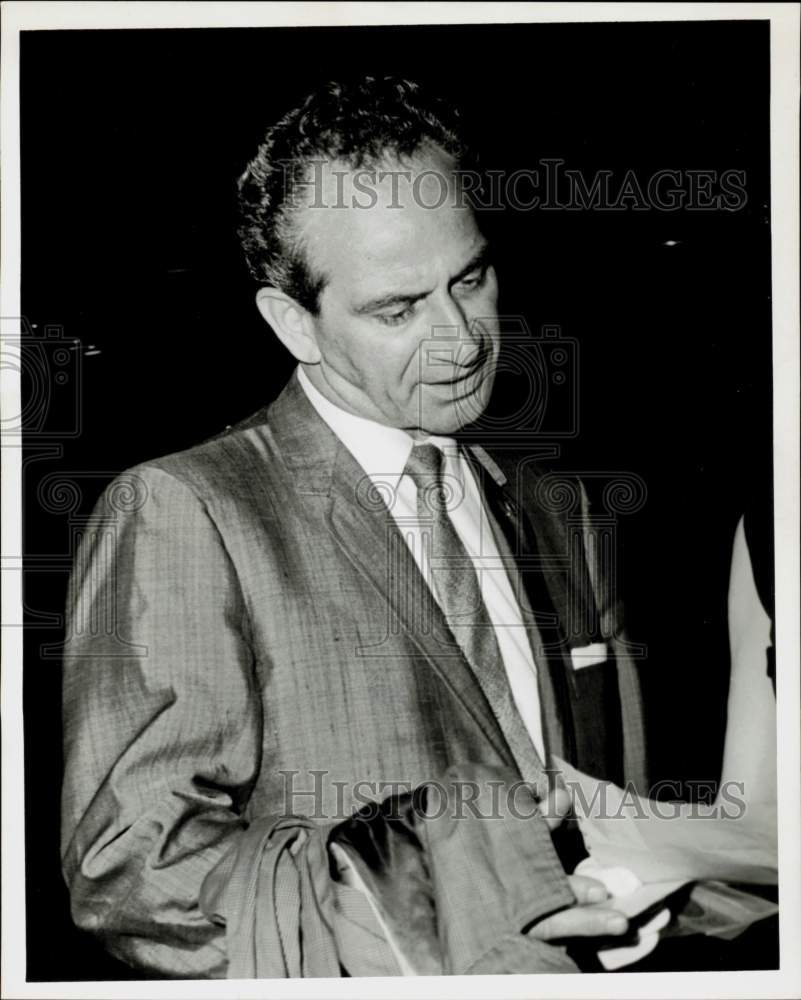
<point>279,619</point>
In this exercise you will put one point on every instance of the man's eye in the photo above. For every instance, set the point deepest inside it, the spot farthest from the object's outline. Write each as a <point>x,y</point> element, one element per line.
<point>396,318</point>
<point>474,280</point>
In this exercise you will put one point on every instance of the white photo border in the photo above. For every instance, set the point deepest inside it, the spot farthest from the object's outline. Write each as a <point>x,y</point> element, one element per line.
<point>784,145</point>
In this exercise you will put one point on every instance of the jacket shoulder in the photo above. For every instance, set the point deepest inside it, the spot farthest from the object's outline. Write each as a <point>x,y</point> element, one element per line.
<point>221,464</point>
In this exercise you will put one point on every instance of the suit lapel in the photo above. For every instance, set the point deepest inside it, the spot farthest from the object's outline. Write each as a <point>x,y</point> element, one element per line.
<point>362,526</point>
<point>587,697</point>
<point>512,533</point>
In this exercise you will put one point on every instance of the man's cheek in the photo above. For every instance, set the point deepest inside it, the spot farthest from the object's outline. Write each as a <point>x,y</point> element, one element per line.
<point>485,313</point>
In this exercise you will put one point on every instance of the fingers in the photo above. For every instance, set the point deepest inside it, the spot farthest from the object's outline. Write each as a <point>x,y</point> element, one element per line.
<point>587,890</point>
<point>581,921</point>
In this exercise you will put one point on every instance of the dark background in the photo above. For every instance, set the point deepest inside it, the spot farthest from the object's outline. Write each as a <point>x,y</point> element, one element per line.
<point>131,145</point>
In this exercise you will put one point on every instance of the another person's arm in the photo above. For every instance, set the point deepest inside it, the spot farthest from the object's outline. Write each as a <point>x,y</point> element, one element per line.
<point>749,753</point>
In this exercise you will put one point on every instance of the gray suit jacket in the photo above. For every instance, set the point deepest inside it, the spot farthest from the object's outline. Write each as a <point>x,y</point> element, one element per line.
<point>248,636</point>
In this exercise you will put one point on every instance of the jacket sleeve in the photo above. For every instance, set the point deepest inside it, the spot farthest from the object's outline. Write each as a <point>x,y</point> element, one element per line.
<point>162,724</point>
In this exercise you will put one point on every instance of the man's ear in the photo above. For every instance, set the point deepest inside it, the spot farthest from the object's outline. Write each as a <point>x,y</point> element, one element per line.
<point>292,324</point>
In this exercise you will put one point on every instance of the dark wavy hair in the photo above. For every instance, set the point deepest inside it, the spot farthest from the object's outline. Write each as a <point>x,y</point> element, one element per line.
<point>360,123</point>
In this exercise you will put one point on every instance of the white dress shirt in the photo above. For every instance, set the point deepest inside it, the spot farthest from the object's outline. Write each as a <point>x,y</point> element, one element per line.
<point>383,452</point>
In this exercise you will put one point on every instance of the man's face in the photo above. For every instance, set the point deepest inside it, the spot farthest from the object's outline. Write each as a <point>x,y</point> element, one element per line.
<point>407,327</point>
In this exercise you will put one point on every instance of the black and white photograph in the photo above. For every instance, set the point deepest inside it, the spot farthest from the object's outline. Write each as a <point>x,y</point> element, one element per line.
<point>400,500</point>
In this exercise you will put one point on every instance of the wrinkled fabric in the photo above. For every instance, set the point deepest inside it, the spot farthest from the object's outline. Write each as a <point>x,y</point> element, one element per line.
<point>274,896</point>
<point>457,888</point>
<point>454,874</point>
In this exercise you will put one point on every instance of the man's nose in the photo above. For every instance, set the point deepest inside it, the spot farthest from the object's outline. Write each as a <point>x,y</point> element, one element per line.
<point>453,338</point>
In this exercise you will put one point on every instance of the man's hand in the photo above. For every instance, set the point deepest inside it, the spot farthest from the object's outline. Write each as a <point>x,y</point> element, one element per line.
<point>588,917</point>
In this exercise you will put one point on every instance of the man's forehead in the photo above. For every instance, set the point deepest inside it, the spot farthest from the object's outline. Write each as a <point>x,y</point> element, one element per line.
<point>386,217</point>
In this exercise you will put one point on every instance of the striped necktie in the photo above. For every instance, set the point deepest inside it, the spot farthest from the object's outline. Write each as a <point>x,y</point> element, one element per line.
<point>452,578</point>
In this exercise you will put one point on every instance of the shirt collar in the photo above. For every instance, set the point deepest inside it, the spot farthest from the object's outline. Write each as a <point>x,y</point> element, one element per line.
<point>379,449</point>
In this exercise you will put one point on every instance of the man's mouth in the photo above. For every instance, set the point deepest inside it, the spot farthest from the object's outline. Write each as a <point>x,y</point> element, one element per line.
<point>463,385</point>
<point>479,369</point>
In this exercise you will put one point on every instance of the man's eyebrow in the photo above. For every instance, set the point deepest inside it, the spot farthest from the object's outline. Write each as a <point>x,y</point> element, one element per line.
<point>479,259</point>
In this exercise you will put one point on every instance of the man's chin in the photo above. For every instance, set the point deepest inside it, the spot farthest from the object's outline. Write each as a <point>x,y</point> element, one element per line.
<point>444,411</point>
